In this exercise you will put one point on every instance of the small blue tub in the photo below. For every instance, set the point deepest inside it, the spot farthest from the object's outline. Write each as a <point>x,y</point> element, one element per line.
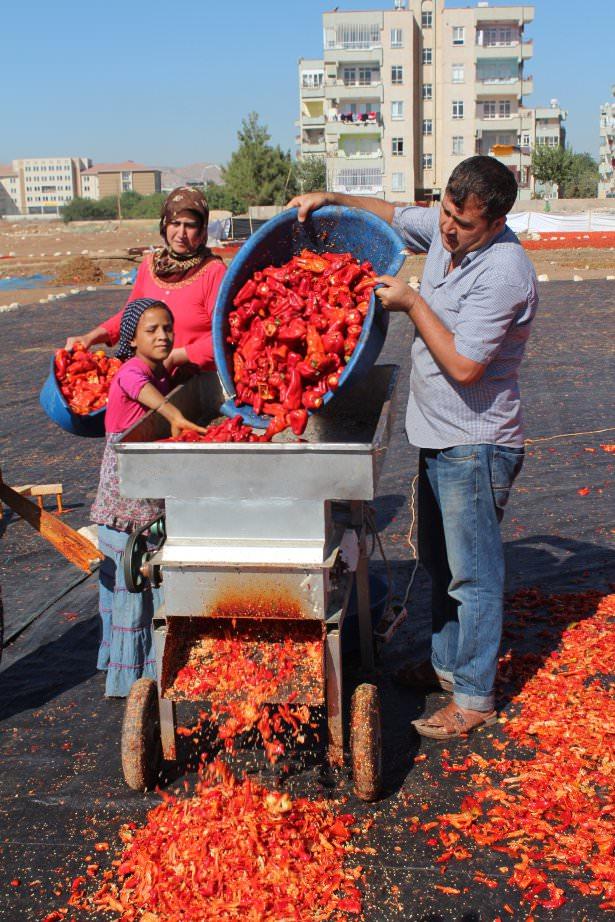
<point>333,229</point>
<point>55,406</point>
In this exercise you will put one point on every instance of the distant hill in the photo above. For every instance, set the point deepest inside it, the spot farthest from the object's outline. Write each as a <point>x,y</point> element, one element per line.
<point>193,174</point>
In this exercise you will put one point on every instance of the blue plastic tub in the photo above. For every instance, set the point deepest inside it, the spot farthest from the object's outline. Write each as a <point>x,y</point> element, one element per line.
<point>333,229</point>
<point>55,406</point>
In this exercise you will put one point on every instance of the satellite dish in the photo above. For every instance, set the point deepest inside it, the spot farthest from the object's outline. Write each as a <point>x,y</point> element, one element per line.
<point>554,103</point>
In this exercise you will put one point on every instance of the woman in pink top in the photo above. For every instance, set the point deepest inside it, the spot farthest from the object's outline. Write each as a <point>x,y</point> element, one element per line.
<point>183,274</point>
<point>146,339</point>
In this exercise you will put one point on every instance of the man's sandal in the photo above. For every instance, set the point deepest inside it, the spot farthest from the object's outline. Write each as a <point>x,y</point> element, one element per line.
<point>422,677</point>
<point>452,721</point>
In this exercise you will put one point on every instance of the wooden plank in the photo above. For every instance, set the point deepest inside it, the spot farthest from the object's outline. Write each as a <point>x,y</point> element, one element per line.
<point>39,489</point>
<point>65,539</point>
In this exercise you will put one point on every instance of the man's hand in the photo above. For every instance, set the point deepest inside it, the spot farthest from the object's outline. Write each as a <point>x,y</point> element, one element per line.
<point>309,202</point>
<point>394,294</point>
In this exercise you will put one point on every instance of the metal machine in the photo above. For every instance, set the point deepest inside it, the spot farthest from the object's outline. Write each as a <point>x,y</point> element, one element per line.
<point>260,531</point>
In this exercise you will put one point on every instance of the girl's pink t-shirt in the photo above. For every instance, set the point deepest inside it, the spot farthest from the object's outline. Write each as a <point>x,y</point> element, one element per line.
<point>191,302</point>
<point>123,407</point>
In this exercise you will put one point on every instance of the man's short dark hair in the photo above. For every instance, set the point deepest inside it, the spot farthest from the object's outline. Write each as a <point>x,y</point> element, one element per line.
<point>493,184</point>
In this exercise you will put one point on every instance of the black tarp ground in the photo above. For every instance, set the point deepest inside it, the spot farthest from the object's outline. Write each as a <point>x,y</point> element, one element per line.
<point>61,788</point>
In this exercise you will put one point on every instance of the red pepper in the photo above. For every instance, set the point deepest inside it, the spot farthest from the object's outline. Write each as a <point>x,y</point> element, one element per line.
<point>277,424</point>
<point>311,400</point>
<point>297,420</point>
<point>291,396</point>
<point>292,332</point>
<point>245,293</point>
<point>333,341</point>
<point>333,382</point>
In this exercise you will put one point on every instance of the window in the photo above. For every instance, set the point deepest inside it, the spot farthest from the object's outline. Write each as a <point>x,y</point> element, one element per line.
<point>397,38</point>
<point>427,161</point>
<point>459,35</point>
<point>426,55</point>
<point>505,109</point>
<point>525,140</point>
<point>398,182</point>
<point>126,181</point>
<point>427,126</point>
<point>365,76</point>
<point>312,78</point>
<point>489,110</point>
<point>350,76</point>
<point>427,91</point>
<point>397,110</point>
<point>457,144</point>
<point>397,73</point>
<point>426,19</point>
<point>358,180</point>
<point>354,36</point>
<point>397,146</point>
<point>458,73</point>
<point>458,108</point>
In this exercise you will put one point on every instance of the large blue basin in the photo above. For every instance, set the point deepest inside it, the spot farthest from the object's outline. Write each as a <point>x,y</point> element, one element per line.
<point>334,229</point>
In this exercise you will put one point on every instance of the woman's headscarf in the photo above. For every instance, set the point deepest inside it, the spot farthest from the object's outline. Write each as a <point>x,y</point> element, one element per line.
<point>184,198</point>
<point>129,322</point>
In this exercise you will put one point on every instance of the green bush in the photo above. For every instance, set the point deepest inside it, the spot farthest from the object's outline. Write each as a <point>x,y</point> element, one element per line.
<point>132,205</point>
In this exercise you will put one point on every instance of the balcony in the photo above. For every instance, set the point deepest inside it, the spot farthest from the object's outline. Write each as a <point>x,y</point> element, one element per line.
<point>313,147</point>
<point>514,48</point>
<point>376,188</point>
<point>312,92</point>
<point>513,122</point>
<point>348,53</point>
<point>495,16</point>
<point>338,89</point>
<point>498,86</point>
<point>516,157</point>
<point>527,49</point>
<point>362,129</point>
<point>312,121</point>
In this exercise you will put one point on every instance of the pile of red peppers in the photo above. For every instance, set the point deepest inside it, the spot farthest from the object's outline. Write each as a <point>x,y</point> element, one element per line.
<point>230,430</point>
<point>293,330</point>
<point>84,377</point>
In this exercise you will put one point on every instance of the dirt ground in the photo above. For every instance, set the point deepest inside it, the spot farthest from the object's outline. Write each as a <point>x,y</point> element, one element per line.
<point>37,247</point>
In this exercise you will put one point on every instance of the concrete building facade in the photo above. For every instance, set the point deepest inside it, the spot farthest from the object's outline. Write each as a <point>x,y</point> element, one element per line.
<point>606,166</point>
<point>105,179</point>
<point>402,95</point>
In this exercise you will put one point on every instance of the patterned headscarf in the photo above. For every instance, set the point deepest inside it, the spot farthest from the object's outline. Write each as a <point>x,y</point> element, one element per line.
<point>128,325</point>
<point>184,198</point>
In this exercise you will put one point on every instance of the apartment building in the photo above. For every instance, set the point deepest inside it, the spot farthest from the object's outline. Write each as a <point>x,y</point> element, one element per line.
<point>404,94</point>
<point>10,190</point>
<point>45,184</point>
<point>606,185</point>
<point>105,179</point>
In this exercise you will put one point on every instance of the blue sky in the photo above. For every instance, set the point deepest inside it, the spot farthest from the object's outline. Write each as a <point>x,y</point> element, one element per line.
<point>169,83</point>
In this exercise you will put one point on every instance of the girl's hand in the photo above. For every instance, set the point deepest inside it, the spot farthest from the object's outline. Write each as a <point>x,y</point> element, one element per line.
<point>180,423</point>
<point>82,340</point>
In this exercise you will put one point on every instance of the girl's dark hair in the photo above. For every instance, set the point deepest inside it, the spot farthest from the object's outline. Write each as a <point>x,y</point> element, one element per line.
<point>493,184</point>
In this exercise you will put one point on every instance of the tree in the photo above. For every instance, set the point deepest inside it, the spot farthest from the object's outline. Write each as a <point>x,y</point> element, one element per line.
<point>576,175</point>
<point>257,173</point>
<point>551,164</point>
<point>311,174</point>
<point>217,197</point>
<point>583,179</point>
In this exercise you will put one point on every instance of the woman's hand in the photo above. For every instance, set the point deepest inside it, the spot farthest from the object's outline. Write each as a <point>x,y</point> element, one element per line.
<point>97,335</point>
<point>394,294</point>
<point>175,358</point>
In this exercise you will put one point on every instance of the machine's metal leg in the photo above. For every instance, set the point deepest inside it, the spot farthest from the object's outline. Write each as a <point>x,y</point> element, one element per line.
<point>333,673</point>
<point>366,639</point>
<point>167,729</point>
<point>167,708</point>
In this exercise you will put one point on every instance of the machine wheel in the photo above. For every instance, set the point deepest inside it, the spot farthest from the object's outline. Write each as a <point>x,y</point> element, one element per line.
<point>141,744</point>
<point>135,555</point>
<point>366,742</point>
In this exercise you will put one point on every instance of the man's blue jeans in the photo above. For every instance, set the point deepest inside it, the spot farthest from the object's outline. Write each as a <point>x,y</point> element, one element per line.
<point>462,494</point>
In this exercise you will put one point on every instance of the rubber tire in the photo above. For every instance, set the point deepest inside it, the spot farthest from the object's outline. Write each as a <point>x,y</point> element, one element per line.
<point>366,742</point>
<point>141,743</point>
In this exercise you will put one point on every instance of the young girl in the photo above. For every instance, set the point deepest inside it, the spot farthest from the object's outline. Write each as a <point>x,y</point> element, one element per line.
<point>127,649</point>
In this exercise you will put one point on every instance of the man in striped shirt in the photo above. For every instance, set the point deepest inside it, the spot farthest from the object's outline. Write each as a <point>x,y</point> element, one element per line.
<point>472,319</point>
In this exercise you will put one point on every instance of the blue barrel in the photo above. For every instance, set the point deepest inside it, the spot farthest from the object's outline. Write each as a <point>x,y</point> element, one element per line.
<point>55,406</point>
<point>331,229</point>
